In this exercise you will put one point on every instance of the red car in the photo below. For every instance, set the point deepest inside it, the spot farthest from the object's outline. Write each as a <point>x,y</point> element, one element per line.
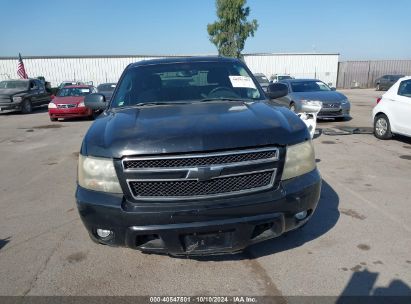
<point>69,103</point>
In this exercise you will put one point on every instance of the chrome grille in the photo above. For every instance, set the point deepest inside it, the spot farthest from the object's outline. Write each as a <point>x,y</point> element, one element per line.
<point>4,99</point>
<point>192,176</point>
<point>200,160</point>
<point>193,188</point>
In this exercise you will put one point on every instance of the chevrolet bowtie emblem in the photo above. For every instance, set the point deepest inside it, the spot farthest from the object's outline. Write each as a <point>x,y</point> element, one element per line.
<point>204,173</point>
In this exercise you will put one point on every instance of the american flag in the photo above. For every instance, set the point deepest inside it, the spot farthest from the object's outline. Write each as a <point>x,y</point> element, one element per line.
<point>21,71</point>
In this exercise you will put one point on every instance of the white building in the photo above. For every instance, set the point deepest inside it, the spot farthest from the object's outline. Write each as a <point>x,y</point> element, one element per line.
<point>303,65</point>
<point>99,69</point>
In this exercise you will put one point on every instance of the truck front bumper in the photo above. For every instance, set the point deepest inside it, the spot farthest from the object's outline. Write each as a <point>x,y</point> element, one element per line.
<point>209,227</point>
<point>10,107</point>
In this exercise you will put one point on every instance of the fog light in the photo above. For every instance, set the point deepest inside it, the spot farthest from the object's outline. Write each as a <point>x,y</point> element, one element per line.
<point>301,215</point>
<point>104,233</point>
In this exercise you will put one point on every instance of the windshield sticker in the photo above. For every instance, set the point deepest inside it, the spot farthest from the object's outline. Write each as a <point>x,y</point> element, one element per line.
<point>242,82</point>
<point>84,90</point>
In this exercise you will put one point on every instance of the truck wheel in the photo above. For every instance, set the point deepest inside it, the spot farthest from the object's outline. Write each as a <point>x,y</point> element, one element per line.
<point>382,128</point>
<point>26,107</point>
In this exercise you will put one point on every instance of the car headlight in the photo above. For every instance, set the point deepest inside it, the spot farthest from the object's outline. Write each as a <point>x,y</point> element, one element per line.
<point>52,105</point>
<point>344,101</point>
<point>17,99</point>
<point>98,174</point>
<point>81,105</point>
<point>311,106</point>
<point>300,159</point>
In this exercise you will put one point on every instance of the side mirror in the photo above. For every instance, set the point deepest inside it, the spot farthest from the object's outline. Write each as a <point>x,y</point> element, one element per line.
<point>277,90</point>
<point>95,101</point>
<point>333,89</point>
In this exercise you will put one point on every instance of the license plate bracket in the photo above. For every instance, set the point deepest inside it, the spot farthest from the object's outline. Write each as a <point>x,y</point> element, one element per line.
<point>202,242</point>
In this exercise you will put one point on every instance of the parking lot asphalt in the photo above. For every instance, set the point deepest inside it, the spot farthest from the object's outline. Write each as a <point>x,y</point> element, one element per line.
<point>357,243</point>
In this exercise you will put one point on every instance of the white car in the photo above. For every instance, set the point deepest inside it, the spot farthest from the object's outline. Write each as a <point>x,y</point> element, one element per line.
<point>392,114</point>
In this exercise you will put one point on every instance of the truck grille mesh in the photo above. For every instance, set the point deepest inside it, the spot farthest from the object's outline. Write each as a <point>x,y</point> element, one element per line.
<point>193,188</point>
<point>198,161</point>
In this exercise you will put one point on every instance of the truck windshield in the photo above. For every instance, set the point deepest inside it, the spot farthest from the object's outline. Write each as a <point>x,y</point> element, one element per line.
<point>65,92</point>
<point>261,79</point>
<point>14,85</point>
<point>186,81</point>
<point>284,77</point>
<point>106,87</point>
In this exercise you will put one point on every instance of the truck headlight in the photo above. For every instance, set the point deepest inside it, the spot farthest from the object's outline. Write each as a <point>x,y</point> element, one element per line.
<point>52,105</point>
<point>300,159</point>
<point>17,99</point>
<point>98,174</point>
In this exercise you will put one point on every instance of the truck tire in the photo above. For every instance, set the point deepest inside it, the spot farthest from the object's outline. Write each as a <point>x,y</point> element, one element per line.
<point>26,107</point>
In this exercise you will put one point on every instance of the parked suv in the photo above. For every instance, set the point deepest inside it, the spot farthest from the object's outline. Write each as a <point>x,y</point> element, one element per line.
<point>22,95</point>
<point>189,158</point>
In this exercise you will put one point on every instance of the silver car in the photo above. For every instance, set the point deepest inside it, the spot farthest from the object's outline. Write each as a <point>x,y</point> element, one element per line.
<point>305,91</point>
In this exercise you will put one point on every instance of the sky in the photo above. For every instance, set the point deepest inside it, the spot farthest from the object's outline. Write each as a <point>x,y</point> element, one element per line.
<point>356,29</point>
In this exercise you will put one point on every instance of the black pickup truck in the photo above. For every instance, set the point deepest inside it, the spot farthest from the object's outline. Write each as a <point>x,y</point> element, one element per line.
<point>190,158</point>
<point>22,95</point>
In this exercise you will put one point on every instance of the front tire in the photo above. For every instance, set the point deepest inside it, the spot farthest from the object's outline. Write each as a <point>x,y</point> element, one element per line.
<point>382,127</point>
<point>53,119</point>
<point>26,107</point>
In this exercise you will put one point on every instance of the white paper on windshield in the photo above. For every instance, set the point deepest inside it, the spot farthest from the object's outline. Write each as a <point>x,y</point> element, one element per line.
<point>242,82</point>
<point>84,90</point>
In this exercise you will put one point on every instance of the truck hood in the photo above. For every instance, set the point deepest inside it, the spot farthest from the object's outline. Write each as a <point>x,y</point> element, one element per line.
<point>192,127</point>
<point>325,96</point>
<point>11,92</point>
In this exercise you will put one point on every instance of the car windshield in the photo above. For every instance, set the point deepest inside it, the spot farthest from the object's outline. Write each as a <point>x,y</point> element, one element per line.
<point>309,86</point>
<point>65,92</point>
<point>14,85</point>
<point>186,81</point>
<point>284,77</point>
<point>261,79</point>
<point>106,87</point>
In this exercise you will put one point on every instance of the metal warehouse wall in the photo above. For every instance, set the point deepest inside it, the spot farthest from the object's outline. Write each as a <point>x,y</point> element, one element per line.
<point>362,74</point>
<point>101,69</point>
<point>319,66</point>
<point>98,69</point>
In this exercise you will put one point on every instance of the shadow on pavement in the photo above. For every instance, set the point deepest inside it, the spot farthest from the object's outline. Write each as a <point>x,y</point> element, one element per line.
<point>362,285</point>
<point>3,242</point>
<point>403,139</point>
<point>324,219</point>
